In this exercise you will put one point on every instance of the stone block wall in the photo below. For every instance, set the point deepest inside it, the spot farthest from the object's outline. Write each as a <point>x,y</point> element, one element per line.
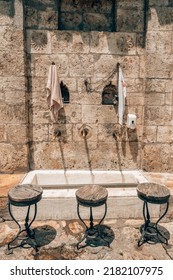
<point>158,123</point>
<point>32,36</point>
<point>13,110</point>
<point>87,15</point>
<point>80,56</point>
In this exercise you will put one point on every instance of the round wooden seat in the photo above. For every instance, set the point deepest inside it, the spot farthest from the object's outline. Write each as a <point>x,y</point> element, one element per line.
<point>25,195</point>
<point>91,195</point>
<point>153,193</point>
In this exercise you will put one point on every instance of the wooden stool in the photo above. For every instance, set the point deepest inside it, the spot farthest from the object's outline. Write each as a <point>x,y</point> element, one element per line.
<point>22,196</point>
<point>155,194</point>
<point>91,196</point>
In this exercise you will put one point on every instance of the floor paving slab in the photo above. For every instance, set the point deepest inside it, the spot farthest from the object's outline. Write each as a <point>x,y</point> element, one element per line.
<point>60,236</point>
<point>58,239</point>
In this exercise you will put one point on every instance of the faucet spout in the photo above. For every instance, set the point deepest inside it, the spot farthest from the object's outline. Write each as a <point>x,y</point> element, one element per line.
<point>84,132</point>
<point>57,133</point>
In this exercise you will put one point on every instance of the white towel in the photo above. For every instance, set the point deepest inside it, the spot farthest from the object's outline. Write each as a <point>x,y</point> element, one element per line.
<point>121,95</point>
<point>54,96</point>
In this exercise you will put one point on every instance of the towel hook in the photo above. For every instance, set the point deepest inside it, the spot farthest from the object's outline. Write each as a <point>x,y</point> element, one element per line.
<point>53,63</point>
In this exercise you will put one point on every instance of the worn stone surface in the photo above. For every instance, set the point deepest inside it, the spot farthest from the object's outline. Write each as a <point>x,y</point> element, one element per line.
<point>162,42</point>
<point>41,15</point>
<point>158,118</point>
<point>9,181</point>
<point>87,16</point>
<point>13,157</point>
<point>163,160</point>
<point>145,54</point>
<point>58,242</point>
<point>6,16</point>
<point>163,65</point>
<point>57,239</point>
<point>160,17</point>
<point>158,115</point>
<point>130,20</point>
<point>6,234</point>
<point>88,155</point>
<point>16,134</point>
<point>77,55</point>
<point>2,136</point>
<point>9,36</point>
<point>150,133</point>
<point>13,112</point>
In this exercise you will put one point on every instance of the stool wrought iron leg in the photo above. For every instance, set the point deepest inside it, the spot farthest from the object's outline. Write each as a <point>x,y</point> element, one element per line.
<point>30,233</point>
<point>166,210</point>
<point>80,216</point>
<point>161,217</point>
<point>91,219</point>
<point>146,216</point>
<point>11,214</point>
<point>150,232</point>
<point>27,226</point>
<point>104,214</point>
<point>108,244</point>
<point>92,231</point>
<point>13,218</point>
<point>85,226</point>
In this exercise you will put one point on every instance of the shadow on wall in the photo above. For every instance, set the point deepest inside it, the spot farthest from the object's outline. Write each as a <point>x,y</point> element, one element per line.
<point>121,135</point>
<point>36,9</point>
<point>8,8</point>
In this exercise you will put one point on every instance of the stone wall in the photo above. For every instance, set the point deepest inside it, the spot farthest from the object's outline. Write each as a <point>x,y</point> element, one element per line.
<point>87,15</point>
<point>13,110</point>
<point>143,47</point>
<point>80,56</point>
<point>158,124</point>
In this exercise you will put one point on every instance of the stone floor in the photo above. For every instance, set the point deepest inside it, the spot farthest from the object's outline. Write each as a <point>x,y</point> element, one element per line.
<point>57,239</point>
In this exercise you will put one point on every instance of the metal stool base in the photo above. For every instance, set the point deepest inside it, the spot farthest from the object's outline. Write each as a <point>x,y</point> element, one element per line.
<point>153,233</point>
<point>94,237</point>
<point>26,241</point>
<point>92,233</point>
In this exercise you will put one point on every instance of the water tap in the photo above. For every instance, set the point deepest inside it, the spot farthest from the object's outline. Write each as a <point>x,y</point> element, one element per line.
<point>84,132</point>
<point>57,133</point>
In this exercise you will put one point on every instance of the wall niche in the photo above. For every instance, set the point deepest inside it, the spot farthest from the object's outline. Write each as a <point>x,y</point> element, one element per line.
<point>110,94</point>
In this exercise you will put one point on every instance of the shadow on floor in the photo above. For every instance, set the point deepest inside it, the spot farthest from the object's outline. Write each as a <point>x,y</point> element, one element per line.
<point>104,237</point>
<point>43,235</point>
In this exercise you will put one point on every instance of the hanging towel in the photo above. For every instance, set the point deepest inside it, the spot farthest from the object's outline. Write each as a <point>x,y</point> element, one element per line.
<point>121,95</point>
<point>54,96</point>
